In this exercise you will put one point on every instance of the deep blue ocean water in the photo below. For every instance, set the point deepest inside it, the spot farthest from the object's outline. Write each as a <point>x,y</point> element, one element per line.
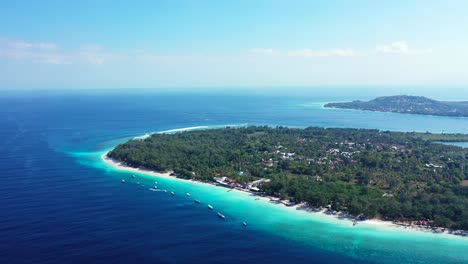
<point>58,203</point>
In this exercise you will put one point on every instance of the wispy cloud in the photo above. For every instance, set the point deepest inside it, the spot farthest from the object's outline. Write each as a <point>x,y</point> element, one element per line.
<point>401,48</point>
<point>397,47</point>
<point>263,51</point>
<point>21,44</point>
<point>91,54</point>
<point>51,53</point>
<point>36,52</point>
<point>95,55</point>
<point>306,53</point>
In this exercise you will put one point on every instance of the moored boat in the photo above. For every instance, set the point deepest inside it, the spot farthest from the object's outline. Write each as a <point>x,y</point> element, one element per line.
<point>197,201</point>
<point>220,215</point>
<point>210,207</point>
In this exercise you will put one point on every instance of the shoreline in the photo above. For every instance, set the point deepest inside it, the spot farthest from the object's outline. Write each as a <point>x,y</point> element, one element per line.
<point>398,225</point>
<point>391,112</point>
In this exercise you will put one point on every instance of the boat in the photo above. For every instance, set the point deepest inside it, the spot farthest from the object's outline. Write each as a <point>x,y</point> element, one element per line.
<point>244,223</point>
<point>220,215</point>
<point>138,183</point>
<point>188,194</point>
<point>133,176</point>
<point>172,193</point>
<point>197,201</point>
<point>123,181</point>
<point>210,207</point>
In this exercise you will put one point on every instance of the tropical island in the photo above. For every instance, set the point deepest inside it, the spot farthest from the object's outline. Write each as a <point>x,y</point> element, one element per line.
<point>404,177</point>
<point>407,104</point>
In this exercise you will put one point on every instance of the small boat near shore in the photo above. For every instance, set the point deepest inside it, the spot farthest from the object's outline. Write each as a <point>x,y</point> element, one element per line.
<point>188,194</point>
<point>172,193</point>
<point>197,201</point>
<point>244,224</point>
<point>133,176</point>
<point>210,207</point>
<point>220,215</point>
<point>123,181</point>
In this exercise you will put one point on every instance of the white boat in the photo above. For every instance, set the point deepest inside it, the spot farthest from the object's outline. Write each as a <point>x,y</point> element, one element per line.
<point>172,193</point>
<point>220,215</point>
<point>197,201</point>
<point>244,223</point>
<point>133,176</point>
<point>188,194</point>
<point>123,181</point>
<point>210,207</point>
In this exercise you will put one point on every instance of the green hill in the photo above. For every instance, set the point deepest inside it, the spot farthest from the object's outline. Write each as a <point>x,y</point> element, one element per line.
<point>407,104</point>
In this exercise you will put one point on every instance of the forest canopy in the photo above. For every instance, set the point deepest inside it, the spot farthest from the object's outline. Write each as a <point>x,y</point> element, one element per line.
<point>390,175</point>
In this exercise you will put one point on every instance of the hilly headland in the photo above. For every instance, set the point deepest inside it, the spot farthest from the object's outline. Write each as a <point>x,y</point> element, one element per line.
<point>408,105</point>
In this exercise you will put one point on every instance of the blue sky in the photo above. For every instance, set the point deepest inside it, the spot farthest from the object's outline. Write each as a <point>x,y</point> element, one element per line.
<point>146,44</point>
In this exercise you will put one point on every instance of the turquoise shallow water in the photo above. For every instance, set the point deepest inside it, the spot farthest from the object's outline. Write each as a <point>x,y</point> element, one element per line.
<point>458,144</point>
<point>65,205</point>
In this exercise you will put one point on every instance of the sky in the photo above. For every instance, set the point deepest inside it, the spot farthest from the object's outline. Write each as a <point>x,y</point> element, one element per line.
<point>244,43</point>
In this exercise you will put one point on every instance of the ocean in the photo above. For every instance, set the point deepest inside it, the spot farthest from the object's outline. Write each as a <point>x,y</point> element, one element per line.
<point>61,204</point>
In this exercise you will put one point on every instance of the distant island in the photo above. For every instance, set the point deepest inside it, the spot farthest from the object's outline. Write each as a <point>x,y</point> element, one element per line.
<point>408,105</point>
<point>404,177</point>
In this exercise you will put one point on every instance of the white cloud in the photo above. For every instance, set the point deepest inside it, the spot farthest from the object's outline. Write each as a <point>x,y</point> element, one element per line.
<point>397,47</point>
<point>93,54</point>
<point>263,51</point>
<point>51,53</point>
<point>400,47</point>
<point>21,44</point>
<point>90,54</point>
<point>307,53</point>
<point>35,52</point>
<point>41,58</point>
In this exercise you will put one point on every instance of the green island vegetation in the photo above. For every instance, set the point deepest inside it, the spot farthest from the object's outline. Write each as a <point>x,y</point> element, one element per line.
<point>369,173</point>
<point>407,104</point>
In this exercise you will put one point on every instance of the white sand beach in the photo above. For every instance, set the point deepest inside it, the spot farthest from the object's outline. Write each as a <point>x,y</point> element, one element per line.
<point>322,213</point>
<point>269,199</point>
